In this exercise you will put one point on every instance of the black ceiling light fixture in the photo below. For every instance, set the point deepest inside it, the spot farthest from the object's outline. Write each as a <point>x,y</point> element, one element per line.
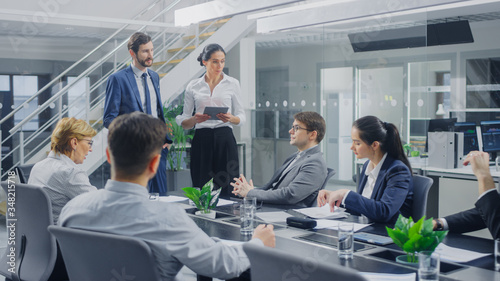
<point>447,33</point>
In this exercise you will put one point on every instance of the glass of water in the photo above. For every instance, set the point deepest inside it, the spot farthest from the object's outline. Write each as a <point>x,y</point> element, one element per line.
<point>247,214</point>
<point>346,242</point>
<point>428,266</point>
<point>154,196</point>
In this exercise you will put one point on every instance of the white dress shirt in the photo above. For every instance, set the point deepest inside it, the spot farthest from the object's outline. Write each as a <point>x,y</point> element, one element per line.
<point>61,178</point>
<point>140,85</point>
<point>125,209</point>
<point>372,174</point>
<point>225,94</point>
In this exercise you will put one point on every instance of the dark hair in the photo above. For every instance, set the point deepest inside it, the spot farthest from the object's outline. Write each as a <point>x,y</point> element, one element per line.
<point>373,129</point>
<point>136,40</point>
<point>133,140</point>
<point>313,122</point>
<point>208,51</point>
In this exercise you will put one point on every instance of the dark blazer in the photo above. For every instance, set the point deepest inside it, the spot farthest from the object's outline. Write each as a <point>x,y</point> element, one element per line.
<point>392,194</point>
<point>122,96</point>
<point>300,185</point>
<point>485,214</point>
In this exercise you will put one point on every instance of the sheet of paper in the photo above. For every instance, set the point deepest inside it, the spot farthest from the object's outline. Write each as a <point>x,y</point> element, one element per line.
<point>224,202</point>
<point>452,254</point>
<point>279,216</point>
<point>323,212</point>
<point>371,276</point>
<point>334,224</point>
<point>172,198</point>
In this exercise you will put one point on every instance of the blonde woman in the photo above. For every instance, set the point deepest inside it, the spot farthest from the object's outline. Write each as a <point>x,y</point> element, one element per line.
<point>59,173</point>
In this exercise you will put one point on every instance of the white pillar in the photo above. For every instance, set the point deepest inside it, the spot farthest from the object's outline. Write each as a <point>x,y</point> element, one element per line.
<point>247,81</point>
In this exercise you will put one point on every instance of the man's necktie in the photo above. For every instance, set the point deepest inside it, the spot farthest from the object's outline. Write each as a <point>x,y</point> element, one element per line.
<point>146,93</point>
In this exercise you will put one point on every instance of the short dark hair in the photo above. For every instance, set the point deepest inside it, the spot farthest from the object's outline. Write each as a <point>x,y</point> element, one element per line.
<point>136,40</point>
<point>313,122</point>
<point>133,140</point>
<point>208,51</point>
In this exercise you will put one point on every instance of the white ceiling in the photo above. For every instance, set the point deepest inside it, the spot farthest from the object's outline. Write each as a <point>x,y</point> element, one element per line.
<point>65,30</point>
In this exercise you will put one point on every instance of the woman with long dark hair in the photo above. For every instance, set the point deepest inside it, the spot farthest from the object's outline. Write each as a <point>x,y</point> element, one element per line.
<point>385,187</point>
<point>214,153</point>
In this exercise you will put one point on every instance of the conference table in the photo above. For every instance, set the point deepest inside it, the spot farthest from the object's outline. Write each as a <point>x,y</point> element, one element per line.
<point>321,244</point>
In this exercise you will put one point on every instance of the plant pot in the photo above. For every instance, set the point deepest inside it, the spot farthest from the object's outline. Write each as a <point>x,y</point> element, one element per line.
<point>403,259</point>
<point>210,215</point>
<point>178,179</point>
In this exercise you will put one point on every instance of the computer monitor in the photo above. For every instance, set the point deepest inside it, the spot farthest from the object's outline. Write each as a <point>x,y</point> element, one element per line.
<point>439,125</point>
<point>470,135</point>
<point>490,132</point>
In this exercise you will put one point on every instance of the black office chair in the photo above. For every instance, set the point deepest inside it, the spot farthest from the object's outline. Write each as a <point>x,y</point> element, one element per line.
<point>269,264</point>
<point>23,172</point>
<point>91,255</point>
<point>421,187</point>
<point>35,248</point>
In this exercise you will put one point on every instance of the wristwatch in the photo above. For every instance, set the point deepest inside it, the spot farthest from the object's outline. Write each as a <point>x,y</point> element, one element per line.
<point>439,225</point>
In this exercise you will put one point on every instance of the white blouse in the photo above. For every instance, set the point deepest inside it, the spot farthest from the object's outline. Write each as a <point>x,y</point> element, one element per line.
<point>225,94</point>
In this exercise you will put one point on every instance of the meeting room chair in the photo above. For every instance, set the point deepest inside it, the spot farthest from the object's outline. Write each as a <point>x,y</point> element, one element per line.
<point>91,255</point>
<point>421,187</point>
<point>35,247</point>
<point>23,172</point>
<point>269,264</point>
<point>330,173</point>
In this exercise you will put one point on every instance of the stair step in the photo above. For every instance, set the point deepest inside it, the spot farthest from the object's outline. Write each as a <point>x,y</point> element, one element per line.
<point>162,75</point>
<point>188,48</point>
<point>203,35</point>
<point>219,22</point>
<point>170,62</point>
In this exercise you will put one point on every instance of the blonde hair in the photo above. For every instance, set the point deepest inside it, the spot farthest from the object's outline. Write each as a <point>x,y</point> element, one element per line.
<point>67,129</point>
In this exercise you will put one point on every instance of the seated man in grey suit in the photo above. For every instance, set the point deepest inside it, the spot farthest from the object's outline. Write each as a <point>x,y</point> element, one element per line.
<point>135,142</point>
<point>487,208</point>
<point>302,175</point>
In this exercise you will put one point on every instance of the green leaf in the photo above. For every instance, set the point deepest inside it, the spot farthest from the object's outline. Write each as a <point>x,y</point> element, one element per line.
<point>417,236</point>
<point>416,228</point>
<point>409,246</point>
<point>401,222</point>
<point>397,236</point>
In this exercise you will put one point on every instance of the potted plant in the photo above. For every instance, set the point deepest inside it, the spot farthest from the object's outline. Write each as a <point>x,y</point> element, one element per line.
<point>205,199</point>
<point>414,237</point>
<point>177,176</point>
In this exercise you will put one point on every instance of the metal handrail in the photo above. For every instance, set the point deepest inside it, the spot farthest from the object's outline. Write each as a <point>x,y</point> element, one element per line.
<point>51,83</point>
<point>90,69</point>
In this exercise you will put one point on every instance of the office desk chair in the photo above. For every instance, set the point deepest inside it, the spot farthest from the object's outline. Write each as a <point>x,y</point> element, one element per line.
<point>421,187</point>
<point>91,255</point>
<point>23,172</point>
<point>330,173</point>
<point>268,264</point>
<point>36,249</point>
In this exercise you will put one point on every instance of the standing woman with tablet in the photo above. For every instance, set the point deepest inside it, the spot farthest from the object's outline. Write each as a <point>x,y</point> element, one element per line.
<point>385,187</point>
<point>214,153</point>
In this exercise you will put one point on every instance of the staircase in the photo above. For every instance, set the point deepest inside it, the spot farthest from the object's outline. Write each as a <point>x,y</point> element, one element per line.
<point>175,56</point>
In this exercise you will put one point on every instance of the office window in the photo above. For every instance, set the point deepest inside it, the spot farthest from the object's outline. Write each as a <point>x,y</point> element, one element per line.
<point>4,83</point>
<point>77,98</point>
<point>23,88</point>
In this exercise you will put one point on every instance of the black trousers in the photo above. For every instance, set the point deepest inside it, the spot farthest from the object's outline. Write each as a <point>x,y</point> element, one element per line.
<point>214,154</point>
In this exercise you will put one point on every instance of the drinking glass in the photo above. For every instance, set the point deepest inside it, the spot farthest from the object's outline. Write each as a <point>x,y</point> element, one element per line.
<point>346,240</point>
<point>247,214</point>
<point>428,266</point>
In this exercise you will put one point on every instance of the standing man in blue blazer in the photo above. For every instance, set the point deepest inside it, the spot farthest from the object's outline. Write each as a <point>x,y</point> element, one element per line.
<point>137,88</point>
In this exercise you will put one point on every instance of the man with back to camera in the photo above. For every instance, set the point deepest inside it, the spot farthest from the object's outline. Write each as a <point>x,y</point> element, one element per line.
<point>302,175</point>
<point>486,213</point>
<point>137,88</point>
<point>123,207</point>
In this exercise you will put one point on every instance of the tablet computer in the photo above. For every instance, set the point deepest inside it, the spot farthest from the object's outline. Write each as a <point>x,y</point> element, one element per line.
<point>373,238</point>
<point>214,110</point>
